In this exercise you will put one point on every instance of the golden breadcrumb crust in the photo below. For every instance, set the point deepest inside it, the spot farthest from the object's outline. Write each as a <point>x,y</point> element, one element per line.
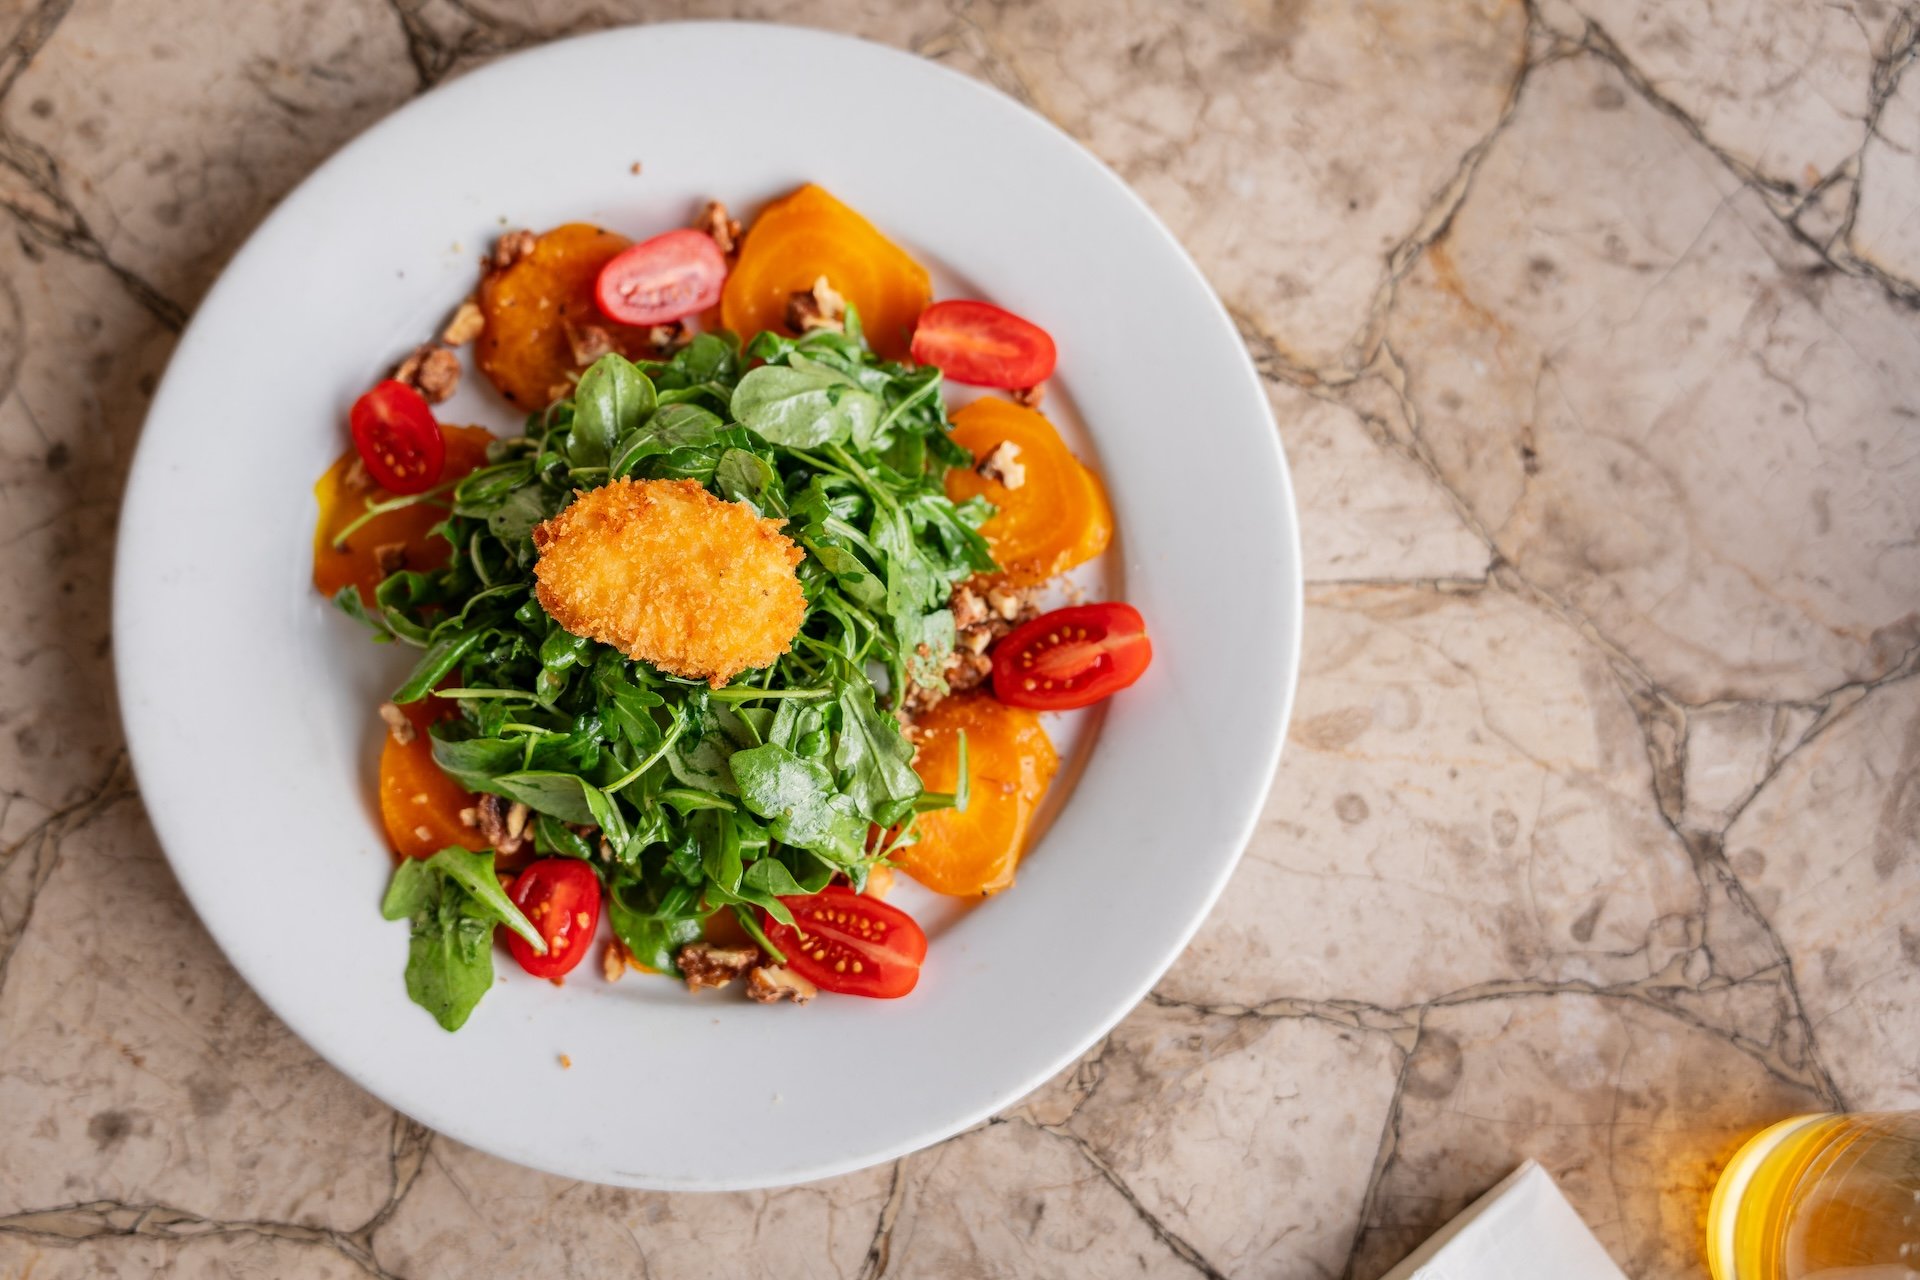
<point>669,574</point>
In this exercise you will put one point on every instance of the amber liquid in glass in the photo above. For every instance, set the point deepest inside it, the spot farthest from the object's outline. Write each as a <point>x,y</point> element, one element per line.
<point>1822,1197</point>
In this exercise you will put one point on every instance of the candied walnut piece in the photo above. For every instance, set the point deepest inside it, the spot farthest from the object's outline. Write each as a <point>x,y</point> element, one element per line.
<point>432,370</point>
<point>968,608</point>
<point>1002,465</point>
<point>509,249</point>
<point>704,965</point>
<point>398,726</point>
<point>502,824</point>
<point>613,962</point>
<point>769,984</point>
<point>588,342</point>
<point>968,671</point>
<point>1008,602</point>
<point>467,324</point>
<point>721,225</point>
<point>820,307</point>
<point>390,558</point>
<point>1030,397</point>
<point>977,623</point>
<point>357,479</point>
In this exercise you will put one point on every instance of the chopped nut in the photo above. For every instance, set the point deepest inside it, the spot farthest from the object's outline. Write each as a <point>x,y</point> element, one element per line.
<point>703,964</point>
<point>722,226</point>
<point>358,479</point>
<point>509,249</point>
<point>517,820</point>
<point>1006,602</point>
<point>976,639</point>
<point>1030,396</point>
<point>820,307</point>
<point>466,325</point>
<point>613,963</point>
<point>469,817</point>
<point>390,558</point>
<point>1002,465</point>
<point>968,671</point>
<point>588,342</point>
<point>770,982</point>
<point>495,828</point>
<point>422,834</point>
<point>431,370</point>
<point>398,725</point>
<point>968,609</point>
<point>663,336</point>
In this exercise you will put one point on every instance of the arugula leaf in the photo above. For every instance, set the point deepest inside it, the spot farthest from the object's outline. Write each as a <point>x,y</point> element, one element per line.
<point>925,642</point>
<point>476,762</point>
<point>701,764</point>
<point>673,427</point>
<point>441,657</point>
<point>800,802</point>
<point>652,922</point>
<point>803,405</point>
<point>453,901</point>
<point>875,758</point>
<point>742,476</point>
<point>612,399</point>
<point>850,571</point>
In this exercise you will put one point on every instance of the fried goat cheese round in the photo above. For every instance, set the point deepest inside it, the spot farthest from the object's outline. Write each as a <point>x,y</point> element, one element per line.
<point>669,574</point>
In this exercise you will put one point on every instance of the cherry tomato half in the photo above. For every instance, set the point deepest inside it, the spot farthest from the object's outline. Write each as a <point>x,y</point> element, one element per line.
<point>1071,657</point>
<point>396,436</point>
<point>983,346</point>
<point>661,279</point>
<point>847,942</point>
<point>562,898</point>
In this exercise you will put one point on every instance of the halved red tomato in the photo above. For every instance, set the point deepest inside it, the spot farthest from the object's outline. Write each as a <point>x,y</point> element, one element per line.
<point>1071,657</point>
<point>982,345</point>
<point>847,942</point>
<point>562,898</point>
<point>396,436</point>
<point>662,279</point>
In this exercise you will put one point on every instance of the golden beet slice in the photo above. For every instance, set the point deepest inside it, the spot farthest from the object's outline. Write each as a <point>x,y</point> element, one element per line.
<point>542,327</point>
<point>1057,518</point>
<point>1010,761</point>
<point>806,235</point>
<point>420,805</point>
<point>669,574</point>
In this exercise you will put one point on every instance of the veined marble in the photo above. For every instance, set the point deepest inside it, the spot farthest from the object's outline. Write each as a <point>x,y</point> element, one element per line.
<point>1592,328</point>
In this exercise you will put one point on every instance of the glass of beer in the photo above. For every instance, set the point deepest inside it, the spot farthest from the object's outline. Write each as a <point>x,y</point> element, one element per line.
<point>1821,1197</point>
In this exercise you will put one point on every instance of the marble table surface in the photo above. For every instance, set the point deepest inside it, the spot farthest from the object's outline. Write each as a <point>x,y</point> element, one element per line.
<point>1592,328</point>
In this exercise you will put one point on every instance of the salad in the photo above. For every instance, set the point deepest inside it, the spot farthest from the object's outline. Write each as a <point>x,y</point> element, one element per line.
<point>740,626</point>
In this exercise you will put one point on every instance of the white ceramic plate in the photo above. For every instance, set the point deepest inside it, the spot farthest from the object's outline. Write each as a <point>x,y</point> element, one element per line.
<point>248,701</point>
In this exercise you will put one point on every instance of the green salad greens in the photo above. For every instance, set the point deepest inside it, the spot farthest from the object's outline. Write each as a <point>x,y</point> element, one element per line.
<point>688,800</point>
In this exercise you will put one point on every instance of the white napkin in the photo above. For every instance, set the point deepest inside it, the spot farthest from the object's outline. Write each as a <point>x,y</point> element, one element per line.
<point>1523,1227</point>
